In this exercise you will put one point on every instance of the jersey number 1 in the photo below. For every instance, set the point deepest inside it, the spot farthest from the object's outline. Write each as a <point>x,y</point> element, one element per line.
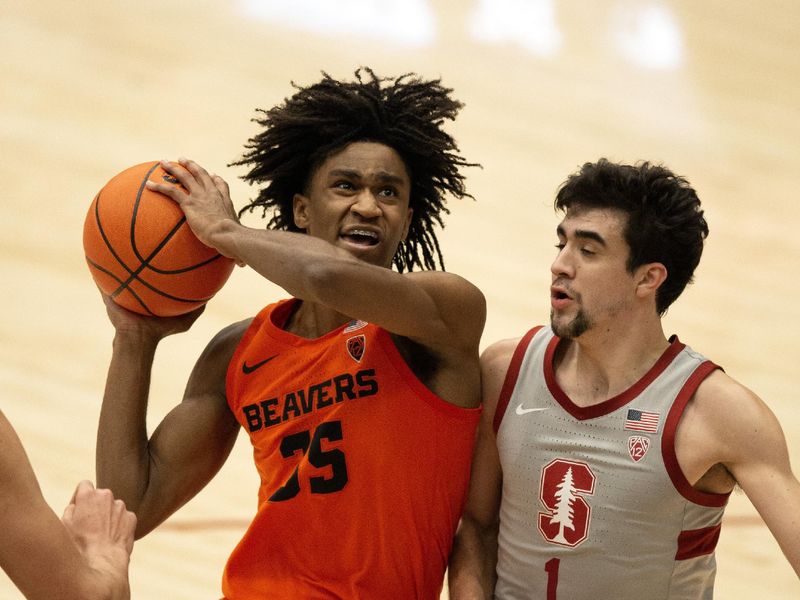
<point>317,457</point>
<point>551,568</point>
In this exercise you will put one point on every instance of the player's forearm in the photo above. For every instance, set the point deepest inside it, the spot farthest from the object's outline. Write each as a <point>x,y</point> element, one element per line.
<point>471,574</point>
<point>45,563</point>
<point>123,460</point>
<point>291,260</point>
<point>90,583</point>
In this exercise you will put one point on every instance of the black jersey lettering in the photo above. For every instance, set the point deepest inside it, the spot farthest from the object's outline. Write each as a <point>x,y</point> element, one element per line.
<point>252,415</point>
<point>290,407</point>
<point>317,396</point>
<point>343,384</point>
<point>368,385</point>
<point>320,392</point>
<point>270,418</point>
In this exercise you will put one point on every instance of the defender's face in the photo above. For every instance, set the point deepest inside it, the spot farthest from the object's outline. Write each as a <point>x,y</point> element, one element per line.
<point>358,199</point>
<point>591,286</point>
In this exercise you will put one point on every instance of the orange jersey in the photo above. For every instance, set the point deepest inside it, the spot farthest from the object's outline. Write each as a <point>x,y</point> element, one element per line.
<point>364,471</point>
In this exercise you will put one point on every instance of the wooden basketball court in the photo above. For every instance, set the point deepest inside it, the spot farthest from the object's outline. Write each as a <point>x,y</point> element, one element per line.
<point>712,89</point>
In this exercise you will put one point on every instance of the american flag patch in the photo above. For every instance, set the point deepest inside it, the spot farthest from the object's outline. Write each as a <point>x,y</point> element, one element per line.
<point>642,420</point>
<point>355,326</point>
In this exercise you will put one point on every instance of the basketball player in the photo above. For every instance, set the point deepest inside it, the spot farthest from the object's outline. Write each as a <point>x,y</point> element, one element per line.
<point>360,393</point>
<point>84,556</point>
<point>607,452</point>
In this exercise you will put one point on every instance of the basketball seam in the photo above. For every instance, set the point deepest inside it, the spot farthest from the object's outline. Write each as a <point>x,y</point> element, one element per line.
<point>118,280</point>
<point>134,274</point>
<point>145,262</point>
<point>126,286</point>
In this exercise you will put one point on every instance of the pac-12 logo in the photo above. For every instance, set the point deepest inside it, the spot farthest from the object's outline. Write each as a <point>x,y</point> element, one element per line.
<point>638,446</point>
<point>355,347</point>
<point>564,483</point>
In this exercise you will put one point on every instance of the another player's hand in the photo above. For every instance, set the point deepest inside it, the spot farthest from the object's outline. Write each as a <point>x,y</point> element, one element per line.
<point>102,528</point>
<point>130,323</point>
<point>205,199</point>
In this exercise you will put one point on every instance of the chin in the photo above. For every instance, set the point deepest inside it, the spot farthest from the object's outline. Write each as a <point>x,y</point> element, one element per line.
<point>572,329</point>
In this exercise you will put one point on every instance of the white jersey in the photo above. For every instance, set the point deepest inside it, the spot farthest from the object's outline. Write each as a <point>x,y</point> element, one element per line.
<point>594,504</point>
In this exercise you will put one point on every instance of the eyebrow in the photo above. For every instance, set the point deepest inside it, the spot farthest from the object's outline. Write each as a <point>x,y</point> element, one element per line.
<point>382,176</point>
<point>586,234</point>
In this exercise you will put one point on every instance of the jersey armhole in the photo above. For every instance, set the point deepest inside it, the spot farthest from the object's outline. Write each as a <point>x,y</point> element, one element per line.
<point>674,471</point>
<point>232,373</point>
<point>511,377</point>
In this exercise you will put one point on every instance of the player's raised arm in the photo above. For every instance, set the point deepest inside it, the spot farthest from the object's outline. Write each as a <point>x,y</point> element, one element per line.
<point>342,265</point>
<point>158,474</point>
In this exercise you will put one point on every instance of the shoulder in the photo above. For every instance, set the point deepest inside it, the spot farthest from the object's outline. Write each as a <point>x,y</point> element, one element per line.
<point>496,356</point>
<point>229,337</point>
<point>214,360</point>
<point>721,398</point>
<point>495,360</point>
<point>732,417</point>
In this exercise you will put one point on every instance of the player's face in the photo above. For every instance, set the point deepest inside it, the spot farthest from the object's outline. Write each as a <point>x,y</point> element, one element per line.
<point>591,286</point>
<point>358,200</point>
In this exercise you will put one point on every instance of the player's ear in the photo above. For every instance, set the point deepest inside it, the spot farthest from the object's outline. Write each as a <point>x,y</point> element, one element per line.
<point>300,211</point>
<point>649,278</point>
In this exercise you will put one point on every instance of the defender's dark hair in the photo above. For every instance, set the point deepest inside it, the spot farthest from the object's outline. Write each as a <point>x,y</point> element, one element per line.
<point>665,221</point>
<point>405,114</point>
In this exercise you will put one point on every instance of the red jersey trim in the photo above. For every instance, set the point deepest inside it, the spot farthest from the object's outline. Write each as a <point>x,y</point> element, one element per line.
<point>598,410</point>
<point>511,376</point>
<point>697,542</point>
<point>668,441</point>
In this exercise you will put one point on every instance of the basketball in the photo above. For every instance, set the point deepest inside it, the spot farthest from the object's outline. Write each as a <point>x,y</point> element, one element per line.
<point>142,253</point>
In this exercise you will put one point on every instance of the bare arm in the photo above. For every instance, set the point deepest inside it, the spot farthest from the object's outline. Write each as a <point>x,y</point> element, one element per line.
<point>734,427</point>
<point>472,573</point>
<point>760,464</point>
<point>156,476</point>
<point>83,558</point>
<point>439,310</point>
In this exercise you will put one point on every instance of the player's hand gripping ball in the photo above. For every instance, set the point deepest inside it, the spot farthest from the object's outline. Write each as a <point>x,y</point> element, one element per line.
<point>141,251</point>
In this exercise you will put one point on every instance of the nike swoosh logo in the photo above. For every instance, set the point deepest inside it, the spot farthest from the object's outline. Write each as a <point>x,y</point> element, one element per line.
<point>247,369</point>
<point>524,411</point>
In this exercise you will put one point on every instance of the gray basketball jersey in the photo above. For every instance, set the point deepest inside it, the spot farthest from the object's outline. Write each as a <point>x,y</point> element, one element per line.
<point>594,503</point>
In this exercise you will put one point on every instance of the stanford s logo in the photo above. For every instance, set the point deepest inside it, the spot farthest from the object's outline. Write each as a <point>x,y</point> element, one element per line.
<point>561,490</point>
<point>355,347</point>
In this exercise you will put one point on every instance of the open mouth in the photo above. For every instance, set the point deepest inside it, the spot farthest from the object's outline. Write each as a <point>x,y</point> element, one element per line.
<point>559,294</point>
<point>361,237</point>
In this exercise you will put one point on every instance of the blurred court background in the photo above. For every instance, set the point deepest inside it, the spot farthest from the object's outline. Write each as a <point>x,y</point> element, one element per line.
<point>711,88</point>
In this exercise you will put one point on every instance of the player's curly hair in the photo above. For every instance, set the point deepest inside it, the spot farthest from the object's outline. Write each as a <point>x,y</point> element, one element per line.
<point>405,113</point>
<point>665,220</point>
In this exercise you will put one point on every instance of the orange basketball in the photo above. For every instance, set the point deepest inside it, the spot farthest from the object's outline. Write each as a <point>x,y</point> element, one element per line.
<point>141,251</point>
